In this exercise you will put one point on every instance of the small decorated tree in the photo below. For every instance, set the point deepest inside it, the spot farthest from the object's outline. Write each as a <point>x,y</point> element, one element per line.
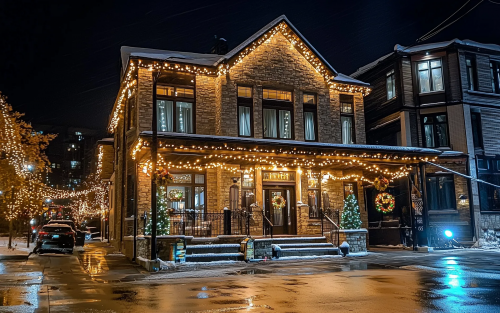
<point>162,217</point>
<point>351,218</point>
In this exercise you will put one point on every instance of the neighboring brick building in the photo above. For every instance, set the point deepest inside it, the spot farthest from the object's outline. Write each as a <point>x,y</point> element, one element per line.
<point>272,115</point>
<point>444,95</point>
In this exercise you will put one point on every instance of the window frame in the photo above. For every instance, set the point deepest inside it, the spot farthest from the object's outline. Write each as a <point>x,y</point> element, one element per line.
<point>245,189</point>
<point>354,188</point>
<point>316,189</point>
<point>495,76</point>
<point>480,143</point>
<point>277,105</point>
<point>311,108</point>
<point>471,70</point>
<point>174,100</point>
<point>424,142</point>
<point>430,175</point>
<point>390,75</point>
<point>245,102</point>
<point>192,184</point>
<point>431,81</point>
<point>344,114</point>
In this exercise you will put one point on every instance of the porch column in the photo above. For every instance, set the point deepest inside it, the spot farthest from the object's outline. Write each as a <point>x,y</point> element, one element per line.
<point>425,211</point>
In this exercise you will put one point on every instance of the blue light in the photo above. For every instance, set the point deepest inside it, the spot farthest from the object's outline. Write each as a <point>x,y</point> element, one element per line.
<point>448,233</point>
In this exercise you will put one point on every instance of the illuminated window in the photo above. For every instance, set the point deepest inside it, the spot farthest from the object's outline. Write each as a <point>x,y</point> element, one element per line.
<point>470,63</point>
<point>435,130</point>
<point>277,115</point>
<point>430,75</point>
<point>347,119</point>
<point>173,113</point>
<point>310,112</point>
<point>390,84</point>
<point>75,164</point>
<point>309,98</point>
<point>273,94</point>
<point>245,92</point>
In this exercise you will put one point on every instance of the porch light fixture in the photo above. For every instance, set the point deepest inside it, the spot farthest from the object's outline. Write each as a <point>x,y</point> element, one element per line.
<point>448,233</point>
<point>463,199</point>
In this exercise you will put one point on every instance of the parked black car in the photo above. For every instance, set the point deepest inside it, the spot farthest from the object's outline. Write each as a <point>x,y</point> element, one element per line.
<point>56,237</point>
<point>79,235</point>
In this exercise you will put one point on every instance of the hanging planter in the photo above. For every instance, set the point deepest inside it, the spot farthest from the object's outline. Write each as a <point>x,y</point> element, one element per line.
<point>163,177</point>
<point>278,202</point>
<point>381,183</point>
<point>385,202</point>
<point>175,195</point>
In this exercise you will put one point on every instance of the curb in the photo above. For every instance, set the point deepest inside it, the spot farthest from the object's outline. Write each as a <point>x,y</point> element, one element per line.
<point>13,257</point>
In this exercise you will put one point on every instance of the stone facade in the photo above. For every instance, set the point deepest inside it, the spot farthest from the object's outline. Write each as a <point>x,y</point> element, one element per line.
<point>356,238</point>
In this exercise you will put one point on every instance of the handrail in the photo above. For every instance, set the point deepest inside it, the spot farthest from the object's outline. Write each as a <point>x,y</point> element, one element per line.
<point>265,219</point>
<point>326,217</point>
<point>330,220</point>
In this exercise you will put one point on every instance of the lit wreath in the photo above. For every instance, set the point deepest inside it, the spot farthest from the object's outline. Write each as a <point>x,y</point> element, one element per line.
<point>278,202</point>
<point>385,202</point>
<point>381,183</point>
<point>175,195</point>
<point>163,177</point>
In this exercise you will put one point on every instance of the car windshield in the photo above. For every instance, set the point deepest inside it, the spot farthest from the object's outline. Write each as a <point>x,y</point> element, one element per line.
<point>56,229</point>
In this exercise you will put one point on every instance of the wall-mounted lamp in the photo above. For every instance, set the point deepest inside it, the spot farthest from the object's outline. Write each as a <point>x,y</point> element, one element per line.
<point>463,199</point>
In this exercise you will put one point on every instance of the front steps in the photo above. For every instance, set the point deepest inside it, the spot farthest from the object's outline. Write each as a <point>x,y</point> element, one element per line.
<point>289,246</point>
<point>304,246</point>
<point>213,252</point>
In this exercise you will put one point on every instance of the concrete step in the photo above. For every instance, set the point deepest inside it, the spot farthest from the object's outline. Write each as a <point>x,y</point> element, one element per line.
<point>295,240</point>
<point>215,248</point>
<point>309,251</point>
<point>306,245</point>
<point>212,257</point>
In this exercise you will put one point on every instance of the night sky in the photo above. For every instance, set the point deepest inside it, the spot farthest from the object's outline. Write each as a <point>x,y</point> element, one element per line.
<point>60,60</point>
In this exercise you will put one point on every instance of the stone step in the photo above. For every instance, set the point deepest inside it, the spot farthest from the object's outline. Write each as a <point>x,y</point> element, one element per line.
<point>309,251</point>
<point>306,245</point>
<point>212,257</point>
<point>215,248</point>
<point>295,240</point>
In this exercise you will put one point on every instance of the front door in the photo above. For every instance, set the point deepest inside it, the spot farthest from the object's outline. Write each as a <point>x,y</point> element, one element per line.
<point>280,209</point>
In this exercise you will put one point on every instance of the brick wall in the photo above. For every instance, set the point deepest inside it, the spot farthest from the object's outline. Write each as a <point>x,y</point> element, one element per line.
<point>205,105</point>
<point>145,98</point>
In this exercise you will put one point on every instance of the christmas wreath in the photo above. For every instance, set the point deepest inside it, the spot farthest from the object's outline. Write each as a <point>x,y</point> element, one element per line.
<point>163,177</point>
<point>385,202</point>
<point>278,202</point>
<point>175,195</point>
<point>381,183</point>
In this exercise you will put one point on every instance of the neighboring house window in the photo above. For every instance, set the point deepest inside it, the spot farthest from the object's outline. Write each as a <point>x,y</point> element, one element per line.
<point>495,76</point>
<point>390,83</point>
<point>441,192</point>
<point>277,114</point>
<point>488,169</point>
<point>347,119</point>
<point>175,109</point>
<point>245,116</point>
<point>314,194</point>
<point>75,165</point>
<point>310,113</point>
<point>435,130</point>
<point>430,75</point>
<point>477,134</point>
<point>470,64</point>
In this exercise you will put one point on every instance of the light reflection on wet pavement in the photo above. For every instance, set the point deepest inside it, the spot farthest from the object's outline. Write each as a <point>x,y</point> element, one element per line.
<point>99,280</point>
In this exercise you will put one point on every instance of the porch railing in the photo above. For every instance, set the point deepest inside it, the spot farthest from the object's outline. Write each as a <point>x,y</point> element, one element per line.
<point>267,226</point>
<point>330,221</point>
<point>199,224</point>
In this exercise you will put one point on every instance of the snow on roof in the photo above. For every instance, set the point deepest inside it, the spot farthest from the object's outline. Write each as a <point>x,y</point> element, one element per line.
<point>206,59</point>
<point>342,78</point>
<point>370,65</point>
<point>295,143</point>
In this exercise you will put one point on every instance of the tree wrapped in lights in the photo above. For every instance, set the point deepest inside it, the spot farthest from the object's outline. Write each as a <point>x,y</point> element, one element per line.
<point>351,218</point>
<point>162,217</point>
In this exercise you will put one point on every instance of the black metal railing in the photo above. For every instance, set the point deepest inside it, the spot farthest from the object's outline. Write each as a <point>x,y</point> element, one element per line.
<point>198,224</point>
<point>267,226</point>
<point>330,221</point>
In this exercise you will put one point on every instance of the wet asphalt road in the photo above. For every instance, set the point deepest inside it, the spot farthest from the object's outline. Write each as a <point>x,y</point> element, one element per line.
<point>98,280</point>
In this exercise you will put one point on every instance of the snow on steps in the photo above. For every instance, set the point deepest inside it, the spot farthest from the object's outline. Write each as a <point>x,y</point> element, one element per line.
<point>213,252</point>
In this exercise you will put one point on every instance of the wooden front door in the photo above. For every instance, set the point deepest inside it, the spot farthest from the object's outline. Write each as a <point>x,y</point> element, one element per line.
<point>283,218</point>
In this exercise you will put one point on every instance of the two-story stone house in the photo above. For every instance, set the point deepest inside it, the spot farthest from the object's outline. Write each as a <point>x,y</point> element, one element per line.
<point>271,117</point>
<point>446,96</point>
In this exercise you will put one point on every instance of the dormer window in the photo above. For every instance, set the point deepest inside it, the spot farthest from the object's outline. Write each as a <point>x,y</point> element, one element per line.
<point>277,114</point>
<point>175,109</point>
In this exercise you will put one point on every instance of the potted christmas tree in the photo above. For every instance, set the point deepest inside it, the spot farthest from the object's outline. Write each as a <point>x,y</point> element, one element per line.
<point>350,224</point>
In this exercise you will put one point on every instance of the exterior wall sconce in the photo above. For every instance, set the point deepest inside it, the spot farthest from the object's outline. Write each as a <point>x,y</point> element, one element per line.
<point>463,199</point>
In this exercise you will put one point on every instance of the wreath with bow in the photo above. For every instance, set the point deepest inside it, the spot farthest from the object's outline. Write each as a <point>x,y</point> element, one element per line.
<point>384,202</point>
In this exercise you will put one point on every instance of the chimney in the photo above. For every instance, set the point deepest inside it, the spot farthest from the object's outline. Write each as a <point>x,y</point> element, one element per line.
<point>220,46</point>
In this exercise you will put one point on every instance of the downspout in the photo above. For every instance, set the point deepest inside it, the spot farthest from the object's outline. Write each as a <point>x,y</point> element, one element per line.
<point>471,202</point>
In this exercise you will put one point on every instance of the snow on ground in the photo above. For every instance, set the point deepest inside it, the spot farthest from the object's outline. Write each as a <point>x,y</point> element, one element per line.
<point>18,244</point>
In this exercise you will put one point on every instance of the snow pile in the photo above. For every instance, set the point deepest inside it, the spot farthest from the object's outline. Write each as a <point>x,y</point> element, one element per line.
<point>489,240</point>
<point>18,246</point>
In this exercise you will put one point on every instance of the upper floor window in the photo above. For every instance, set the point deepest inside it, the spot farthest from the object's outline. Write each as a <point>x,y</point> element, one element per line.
<point>435,130</point>
<point>273,94</point>
<point>310,113</point>
<point>477,134</point>
<point>495,76</point>
<point>390,84</point>
<point>277,115</point>
<point>175,109</point>
<point>245,114</point>
<point>470,64</point>
<point>441,192</point>
<point>430,75</point>
<point>488,170</point>
<point>347,119</point>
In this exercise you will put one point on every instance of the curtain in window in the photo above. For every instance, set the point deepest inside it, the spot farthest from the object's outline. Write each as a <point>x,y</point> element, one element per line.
<point>429,136</point>
<point>164,110</point>
<point>270,123</point>
<point>390,87</point>
<point>423,77</point>
<point>346,122</point>
<point>285,124</point>
<point>244,115</point>
<point>309,126</point>
<point>184,117</point>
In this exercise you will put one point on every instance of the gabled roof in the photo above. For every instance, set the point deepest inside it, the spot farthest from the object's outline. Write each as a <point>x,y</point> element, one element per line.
<point>466,43</point>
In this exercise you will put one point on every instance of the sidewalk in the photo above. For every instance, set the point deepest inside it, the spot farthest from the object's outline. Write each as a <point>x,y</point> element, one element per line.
<point>19,251</point>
